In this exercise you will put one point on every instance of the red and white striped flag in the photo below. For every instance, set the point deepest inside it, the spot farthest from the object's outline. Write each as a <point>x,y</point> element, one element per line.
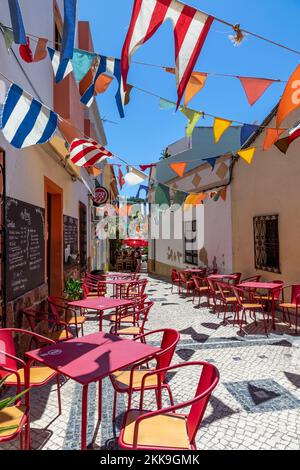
<point>190,26</point>
<point>87,152</point>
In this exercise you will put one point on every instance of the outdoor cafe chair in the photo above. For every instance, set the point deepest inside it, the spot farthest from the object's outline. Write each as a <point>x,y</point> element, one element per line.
<point>39,375</point>
<point>59,306</point>
<point>226,297</point>
<point>267,298</point>
<point>39,322</point>
<point>214,293</point>
<point>165,428</point>
<point>127,314</point>
<point>294,303</point>
<point>15,416</point>
<point>201,288</point>
<point>130,381</point>
<point>175,279</point>
<point>234,278</point>
<point>246,301</point>
<point>138,328</point>
<point>185,282</point>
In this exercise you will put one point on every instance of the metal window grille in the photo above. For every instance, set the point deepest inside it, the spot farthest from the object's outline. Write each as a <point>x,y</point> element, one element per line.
<point>266,243</point>
<point>190,242</point>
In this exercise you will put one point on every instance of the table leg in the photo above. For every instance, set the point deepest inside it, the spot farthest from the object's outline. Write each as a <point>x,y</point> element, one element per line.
<point>99,400</point>
<point>100,320</point>
<point>273,312</point>
<point>84,416</point>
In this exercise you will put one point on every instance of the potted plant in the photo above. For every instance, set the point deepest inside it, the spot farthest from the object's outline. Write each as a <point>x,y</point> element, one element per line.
<point>73,289</point>
<point>8,402</point>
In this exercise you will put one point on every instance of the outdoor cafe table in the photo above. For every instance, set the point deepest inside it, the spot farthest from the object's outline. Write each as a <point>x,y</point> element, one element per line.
<point>269,286</point>
<point>118,285</point>
<point>219,277</point>
<point>194,271</point>
<point>100,304</point>
<point>90,359</point>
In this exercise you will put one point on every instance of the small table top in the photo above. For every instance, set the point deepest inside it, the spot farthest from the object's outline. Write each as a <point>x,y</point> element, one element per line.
<point>259,285</point>
<point>118,282</point>
<point>92,357</point>
<point>194,270</point>
<point>221,276</point>
<point>101,303</point>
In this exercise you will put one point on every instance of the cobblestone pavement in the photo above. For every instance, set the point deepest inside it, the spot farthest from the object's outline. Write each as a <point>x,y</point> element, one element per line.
<point>255,406</point>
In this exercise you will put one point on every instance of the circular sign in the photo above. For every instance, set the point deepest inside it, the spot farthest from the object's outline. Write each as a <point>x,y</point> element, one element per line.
<point>101,196</point>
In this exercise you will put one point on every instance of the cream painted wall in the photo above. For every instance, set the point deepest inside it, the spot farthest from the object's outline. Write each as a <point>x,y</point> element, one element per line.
<point>270,185</point>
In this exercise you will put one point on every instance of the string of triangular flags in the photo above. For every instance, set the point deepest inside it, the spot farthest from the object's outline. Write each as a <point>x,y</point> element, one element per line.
<point>166,196</point>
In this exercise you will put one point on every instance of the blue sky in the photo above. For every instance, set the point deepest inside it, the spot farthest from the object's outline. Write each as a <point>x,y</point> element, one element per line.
<point>146,130</point>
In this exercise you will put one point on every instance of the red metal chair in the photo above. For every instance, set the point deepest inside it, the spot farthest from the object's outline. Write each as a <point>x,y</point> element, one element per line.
<point>185,282</point>
<point>267,299</point>
<point>59,307</point>
<point>39,375</point>
<point>175,279</point>
<point>138,328</point>
<point>250,303</point>
<point>15,416</point>
<point>127,314</point>
<point>226,297</point>
<point>54,329</point>
<point>129,381</point>
<point>134,289</point>
<point>201,288</point>
<point>255,278</point>
<point>165,428</point>
<point>294,303</point>
<point>235,279</point>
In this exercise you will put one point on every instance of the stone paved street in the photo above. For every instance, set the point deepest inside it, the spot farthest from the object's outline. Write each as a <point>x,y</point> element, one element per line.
<point>255,406</point>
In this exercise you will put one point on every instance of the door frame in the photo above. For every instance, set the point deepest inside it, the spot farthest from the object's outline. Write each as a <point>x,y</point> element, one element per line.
<point>56,236</point>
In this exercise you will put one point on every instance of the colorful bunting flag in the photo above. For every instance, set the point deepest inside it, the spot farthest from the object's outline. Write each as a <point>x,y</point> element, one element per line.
<point>294,133</point>
<point>82,61</point>
<point>87,153</point>
<point>93,171</point>
<point>70,7</point>
<point>272,135</point>
<point>142,188</point>
<point>121,178</point>
<point>25,51</point>
<point>127,94</point>
<point>166,104</point>
<point>247,154</point>
<point>40,50</point>
<point>193,118</point>
<point>146,167</point>
<point>179,198</point>
<point>246,131</point>
<point>113,67</point>
<point>60,72</point>
<point>178,168</point>
<point>195,84</point>
<point>102,83</point>
<point>17,22</point>
<point>255,87</point>
<point>25,121</point>
<point>162,195</point>
<point>220,126</point>
<point>223,193</point>
<point>69,132</point>
<point>211,162</point>
<point>291,97</point>
<point>190,27</point>
<point>8,36</point>
<point>195,199</point>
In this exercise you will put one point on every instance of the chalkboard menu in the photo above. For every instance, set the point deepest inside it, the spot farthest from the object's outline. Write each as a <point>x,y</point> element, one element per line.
<point>25,247</point>
<point>70,240</point>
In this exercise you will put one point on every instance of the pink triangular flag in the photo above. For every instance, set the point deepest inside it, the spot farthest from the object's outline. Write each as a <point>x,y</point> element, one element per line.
<point>255,87</point>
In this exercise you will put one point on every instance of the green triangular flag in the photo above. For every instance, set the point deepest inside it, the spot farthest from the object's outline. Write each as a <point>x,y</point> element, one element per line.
<point>179,197</point>
<point>193,118</point>
<point>8,36</point>
<point>162,195</point>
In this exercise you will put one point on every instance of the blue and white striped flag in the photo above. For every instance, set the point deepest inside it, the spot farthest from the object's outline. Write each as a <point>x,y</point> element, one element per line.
<point>61,69</point>
<point>112,66</point>
<point>25,121</point>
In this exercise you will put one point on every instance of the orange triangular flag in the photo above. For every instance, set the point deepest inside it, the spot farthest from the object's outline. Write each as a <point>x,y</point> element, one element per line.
<point>223,193</point>
<point>68,131</point>
<point>179,168</point>
<point>40,50</point>
<point>255,87</point>
<point>92,170</point>
<point>272,135</point>
<point>195,84</point>
<point>102,83</point>
<point>291,97</point>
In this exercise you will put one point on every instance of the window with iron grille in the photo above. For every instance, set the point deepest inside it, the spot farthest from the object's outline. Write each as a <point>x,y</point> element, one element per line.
<point>190,242</point>
<point>266,243</point>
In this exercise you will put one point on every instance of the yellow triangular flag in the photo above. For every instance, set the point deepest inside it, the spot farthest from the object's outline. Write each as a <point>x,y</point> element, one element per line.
<point>193,117</point>
<point>220,126</point>
<point>247,154</point>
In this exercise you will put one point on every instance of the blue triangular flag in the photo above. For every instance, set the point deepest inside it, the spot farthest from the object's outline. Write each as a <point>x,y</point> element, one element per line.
<point>211,162</point>
<point>17,22</point>
<point>246,131</point>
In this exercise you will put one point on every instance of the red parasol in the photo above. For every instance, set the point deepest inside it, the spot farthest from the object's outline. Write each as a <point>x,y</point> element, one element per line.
<point>135,242</point>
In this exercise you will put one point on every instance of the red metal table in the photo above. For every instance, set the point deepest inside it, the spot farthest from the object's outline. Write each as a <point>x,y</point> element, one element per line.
<point>100,304</point>
<point>270,287</point>
<point>219,277</point>
<point>118,285</point>
<point>90,359</point>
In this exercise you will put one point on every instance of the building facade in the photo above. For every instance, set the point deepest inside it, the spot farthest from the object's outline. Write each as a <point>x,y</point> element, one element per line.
<point>47,208</point>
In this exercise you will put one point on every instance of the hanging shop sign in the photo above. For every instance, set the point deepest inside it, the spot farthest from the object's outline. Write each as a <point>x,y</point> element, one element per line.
<point>101,196</point>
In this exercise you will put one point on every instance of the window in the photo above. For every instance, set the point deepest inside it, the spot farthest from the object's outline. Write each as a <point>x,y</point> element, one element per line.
<point>266,243</point>
<point>83,236</point>
<point>190,242</point>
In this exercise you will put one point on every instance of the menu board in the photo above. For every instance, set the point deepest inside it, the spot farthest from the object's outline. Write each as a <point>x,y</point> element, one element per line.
<point>25,247</point>
<point>70,240</point>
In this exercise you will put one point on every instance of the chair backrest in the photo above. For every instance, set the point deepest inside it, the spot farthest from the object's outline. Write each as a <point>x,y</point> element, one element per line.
<point>174,275</point>
<point>57,306</point>
<point>7,345</point>
<point>236,277</point>
<point>169,341</point>
<point>277,292</point>
<point>295,292</point>
<point>255,278</point>
<point>182,276</point>
<point>211,284</point>
<point>144,313</point>
<point>222,287</point>
<point>239,295</point>
<point>209,379</point>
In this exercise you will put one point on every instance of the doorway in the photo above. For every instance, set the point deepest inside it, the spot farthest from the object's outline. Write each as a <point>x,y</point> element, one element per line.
<point>54,237</point>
